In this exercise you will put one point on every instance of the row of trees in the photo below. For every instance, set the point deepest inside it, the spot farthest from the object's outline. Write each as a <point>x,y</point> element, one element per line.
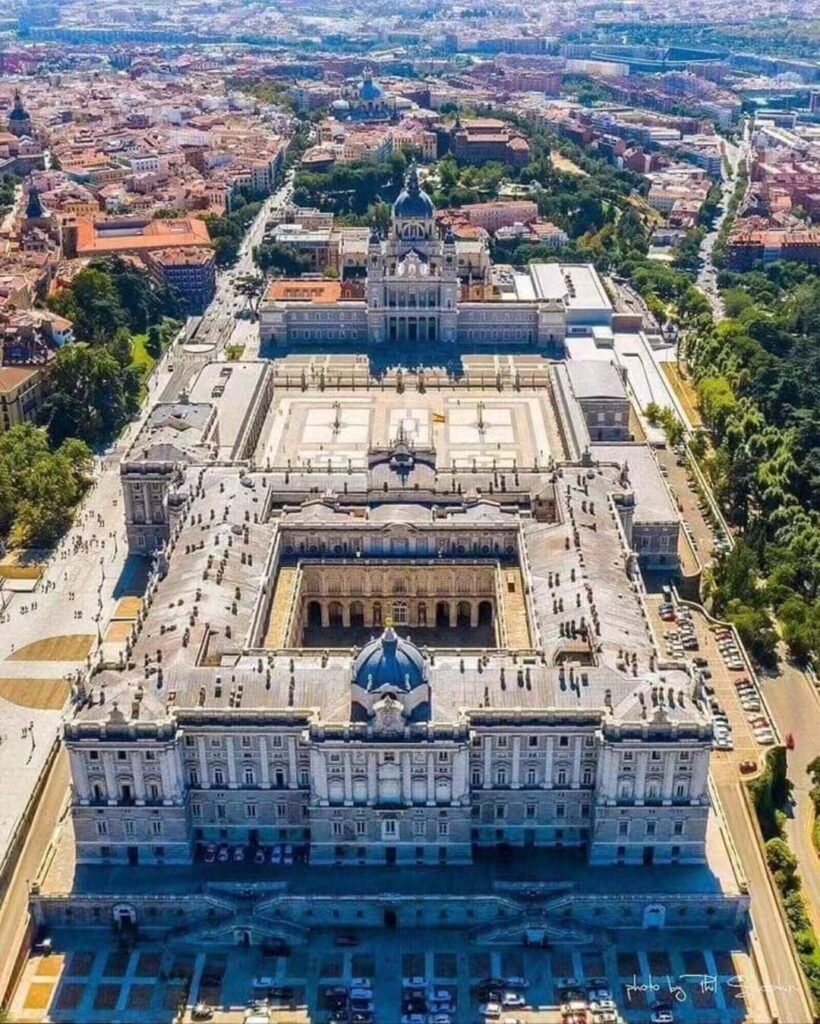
<point>227,230</point>
<point>758,381</point>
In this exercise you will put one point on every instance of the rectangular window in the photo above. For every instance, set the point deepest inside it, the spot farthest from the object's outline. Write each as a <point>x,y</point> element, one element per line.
<point>650,828</point>
<point>93,755</point>
<point>419,828</point>
<point>530,810</point>
<point>102,828</point>
<point>246,741</point>
<point>193,777</point>
<point>281,810</point>
<point>502,741</point>
<point>560,810</point>
<point>249,777</point>
<point>443,755</point>
<point>277,741</point>
<point>196,810</point>
<point>443,828</point>
<point>390,828</point>
<point>500,812</point>
<point>531,777</point>
<point>250,810</point>
<point>156,827</point>
<point>220,811</point>
<point>584,810</point>
<point>533,741</point>
<point>361,827</point>
<point>189,741</point>
<point>219,777</point>
<point>623,828</point>
<point>563,741</point>
<point>337,828</point>
<point>677,828</point>
<point>150,755</point>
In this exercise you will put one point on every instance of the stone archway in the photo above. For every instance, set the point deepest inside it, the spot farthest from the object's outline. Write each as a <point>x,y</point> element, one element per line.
<point>356,614</point>
<point>463,614</point>
<point>314,614</point>
<point>442,614</point>
<point>124,915</point>
<point>485,613</point>
<point>335,614</point>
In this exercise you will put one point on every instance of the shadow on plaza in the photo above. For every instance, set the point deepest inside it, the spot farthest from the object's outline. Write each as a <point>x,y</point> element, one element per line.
<point>133,579</point>
<point>392,356</point>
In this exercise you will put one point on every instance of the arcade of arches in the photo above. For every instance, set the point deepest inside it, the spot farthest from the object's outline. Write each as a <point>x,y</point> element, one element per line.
<point>435,597</point>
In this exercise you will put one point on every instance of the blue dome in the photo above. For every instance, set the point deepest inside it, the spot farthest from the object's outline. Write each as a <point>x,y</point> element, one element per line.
<point>389,661</point>
<point>370,91</point>
<point>413,202</point>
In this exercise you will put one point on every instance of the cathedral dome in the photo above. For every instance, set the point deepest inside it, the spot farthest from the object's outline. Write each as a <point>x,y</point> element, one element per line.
<point>413,202</point>
<point>389,661</point>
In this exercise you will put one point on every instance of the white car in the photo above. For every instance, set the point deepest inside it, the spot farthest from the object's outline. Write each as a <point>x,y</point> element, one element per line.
<point>490,1010</point>
<point>513,1000</point>
<point>361,983</point>
<point>415,982</point>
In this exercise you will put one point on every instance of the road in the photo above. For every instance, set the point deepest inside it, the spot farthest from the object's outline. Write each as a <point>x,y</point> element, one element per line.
<point>796,710</point>
<point>707,276</point>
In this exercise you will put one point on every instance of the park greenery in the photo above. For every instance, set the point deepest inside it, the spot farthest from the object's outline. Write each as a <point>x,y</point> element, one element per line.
<point>40,484</point>
<point>758,382</point>
<point>122,322</point>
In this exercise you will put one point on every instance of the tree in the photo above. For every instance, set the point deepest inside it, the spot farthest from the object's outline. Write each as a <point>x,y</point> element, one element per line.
<point>153,342</point>
<point>783,865</point>
<point>39,487</point>
<point>92,394</point>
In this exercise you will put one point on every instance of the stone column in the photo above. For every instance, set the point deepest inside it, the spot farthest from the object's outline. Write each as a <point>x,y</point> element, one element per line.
<point>473,613</point>
<point>231,765</point>
<point>318,776</point>
<point>640,781</point>
<point>578,743</point>
<point>488,763</point>
<point>406,783</point>
<point>668,775</point>
<point>264,768</point>
<point>110,777</point>
<point>79,775</point>
<point>372,780</point>
<point>431,780</point>
<point>204,777</point>
<point>548,763</point>
<point>139,778</point>
<point>700,776</point>
<point>293,772</point>
<point>461,765</point>
<point>167,782</point>
<point>348,777</point>
<point>516,763</point>
<point>453,614</point>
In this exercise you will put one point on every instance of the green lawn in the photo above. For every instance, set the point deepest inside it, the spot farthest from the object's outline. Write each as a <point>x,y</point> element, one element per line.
<point>141,359</point>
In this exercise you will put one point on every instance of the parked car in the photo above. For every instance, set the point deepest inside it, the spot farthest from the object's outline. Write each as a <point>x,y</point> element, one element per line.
<point>260,856</point>
<point>210,853</point>
<point>223,854</point>
<point>513,1001</point>
<point>239,854</point>
<point>490,1010</point>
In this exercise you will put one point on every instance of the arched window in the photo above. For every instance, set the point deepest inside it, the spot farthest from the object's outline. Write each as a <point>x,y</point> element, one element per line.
<point>400,613</point>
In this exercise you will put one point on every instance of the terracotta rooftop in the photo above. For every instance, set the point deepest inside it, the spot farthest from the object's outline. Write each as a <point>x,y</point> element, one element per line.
<point>137,234</point>
<point>305,291</point>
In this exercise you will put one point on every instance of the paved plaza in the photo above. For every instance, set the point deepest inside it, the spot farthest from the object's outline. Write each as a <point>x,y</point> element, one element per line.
<point>482,430</point>
<point>709,977</point>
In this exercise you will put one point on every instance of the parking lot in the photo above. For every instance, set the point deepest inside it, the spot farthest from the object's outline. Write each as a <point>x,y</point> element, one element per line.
<point>723,682</point>
<point>706,977</point>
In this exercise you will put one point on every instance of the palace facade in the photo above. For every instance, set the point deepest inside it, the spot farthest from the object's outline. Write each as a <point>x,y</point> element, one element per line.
<point>416,294</point>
